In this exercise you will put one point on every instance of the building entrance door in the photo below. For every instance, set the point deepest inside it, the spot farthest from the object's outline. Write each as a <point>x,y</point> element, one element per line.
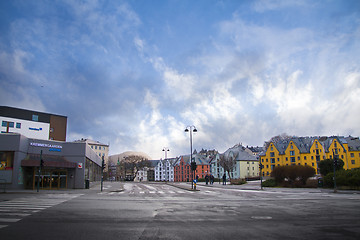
<point>50,179</point>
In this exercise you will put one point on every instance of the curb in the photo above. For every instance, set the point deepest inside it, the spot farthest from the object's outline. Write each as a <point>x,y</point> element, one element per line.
<point>181,187</point>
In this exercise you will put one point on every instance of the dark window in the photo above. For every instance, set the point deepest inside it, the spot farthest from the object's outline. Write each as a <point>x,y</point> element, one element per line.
<point>18,125</point>
<point>4,123</point>
<point>35,118</point>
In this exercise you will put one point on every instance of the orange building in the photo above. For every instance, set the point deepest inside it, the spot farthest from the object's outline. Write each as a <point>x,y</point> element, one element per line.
<point>182,168</point>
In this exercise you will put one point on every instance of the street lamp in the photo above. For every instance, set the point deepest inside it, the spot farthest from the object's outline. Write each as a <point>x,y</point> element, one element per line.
<point>165,149</point>
<point>191,129</point>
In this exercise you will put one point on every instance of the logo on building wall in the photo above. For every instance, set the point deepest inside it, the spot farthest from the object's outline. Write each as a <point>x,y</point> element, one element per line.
<point>45,145</point>
<point>80,165</point>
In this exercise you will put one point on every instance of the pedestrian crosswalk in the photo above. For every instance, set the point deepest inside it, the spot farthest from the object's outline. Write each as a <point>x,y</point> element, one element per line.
<point>133,192</point>
<point>14,210</point>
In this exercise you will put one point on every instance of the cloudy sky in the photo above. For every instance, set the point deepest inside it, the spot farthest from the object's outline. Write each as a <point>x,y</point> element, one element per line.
<point>135,73</point>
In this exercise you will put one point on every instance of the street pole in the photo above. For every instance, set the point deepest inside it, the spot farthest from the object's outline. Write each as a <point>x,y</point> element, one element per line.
<point>39,172</point>
<point>261,167</point>
<point>167,176</point>
<point>192,129</point>
<point>102,172</point>
<point>335,163</point>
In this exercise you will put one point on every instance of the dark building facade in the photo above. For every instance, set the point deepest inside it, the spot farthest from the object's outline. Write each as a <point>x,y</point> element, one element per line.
<point>66,165</point>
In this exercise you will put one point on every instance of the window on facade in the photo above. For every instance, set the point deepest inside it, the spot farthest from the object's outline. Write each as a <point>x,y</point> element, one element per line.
<point>304,157</point>
<point>352,161</point>
<point>292,153</point>
<point>299,158</point>
<point>312,164</point>
<point>292,147</point>
<point>352,155</point>
<point>4,123</point>
<point>6,160</point>
<point>35,118</point>
<point>272,154</point>
<point>11,124</point>
<point>272,160</point>
<point>292,159</point>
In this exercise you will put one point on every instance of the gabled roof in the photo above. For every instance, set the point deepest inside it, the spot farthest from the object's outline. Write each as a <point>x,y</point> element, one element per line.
<point>199,159</point>
<point>242,155</point>
<point>353,143</point>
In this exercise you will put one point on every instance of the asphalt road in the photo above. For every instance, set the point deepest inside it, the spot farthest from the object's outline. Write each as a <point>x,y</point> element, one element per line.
<point>161,211</point>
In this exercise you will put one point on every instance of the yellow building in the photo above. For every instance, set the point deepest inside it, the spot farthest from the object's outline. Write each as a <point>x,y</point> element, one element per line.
<point>308,151</point>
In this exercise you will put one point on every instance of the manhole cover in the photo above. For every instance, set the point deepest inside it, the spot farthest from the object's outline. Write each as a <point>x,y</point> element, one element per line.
<point>261,217</point>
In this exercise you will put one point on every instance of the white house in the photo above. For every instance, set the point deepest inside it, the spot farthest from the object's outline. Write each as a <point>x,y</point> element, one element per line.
<point>164,170</point>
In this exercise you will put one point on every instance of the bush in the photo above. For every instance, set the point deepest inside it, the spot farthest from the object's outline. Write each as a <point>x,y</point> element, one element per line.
<point>269,183</point>
<point>347,178</point>
<point>294,174</point>
<point>237,181</point>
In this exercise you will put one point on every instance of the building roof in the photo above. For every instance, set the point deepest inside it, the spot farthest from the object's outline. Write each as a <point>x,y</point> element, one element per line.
<point>91,142</point>
<point>242,154</point>
<point>304,143</point>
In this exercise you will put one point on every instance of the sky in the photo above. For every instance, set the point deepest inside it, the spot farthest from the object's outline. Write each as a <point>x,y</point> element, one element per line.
<point>134,74</point>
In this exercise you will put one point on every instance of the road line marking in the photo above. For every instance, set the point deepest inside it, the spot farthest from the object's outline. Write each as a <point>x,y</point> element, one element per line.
<point>10,219</point>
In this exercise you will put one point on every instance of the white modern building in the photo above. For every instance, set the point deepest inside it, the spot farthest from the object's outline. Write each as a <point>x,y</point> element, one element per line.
<point>33,124</point>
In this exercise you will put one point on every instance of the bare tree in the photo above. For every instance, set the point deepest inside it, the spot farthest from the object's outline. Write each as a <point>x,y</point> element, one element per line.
<point>228,162</point>
<point>130,165</point>
<point>277,138</point>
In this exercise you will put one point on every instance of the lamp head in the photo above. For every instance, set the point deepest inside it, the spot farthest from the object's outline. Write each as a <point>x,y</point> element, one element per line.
<point>186,130</point>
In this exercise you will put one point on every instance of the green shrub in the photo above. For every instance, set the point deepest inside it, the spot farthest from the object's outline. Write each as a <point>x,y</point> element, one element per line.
<point>269,183</point>
<point>347,178</point>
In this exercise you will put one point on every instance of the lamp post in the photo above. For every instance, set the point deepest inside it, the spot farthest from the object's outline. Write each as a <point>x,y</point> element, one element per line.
<point>165,149</point>
<point>191,129</point>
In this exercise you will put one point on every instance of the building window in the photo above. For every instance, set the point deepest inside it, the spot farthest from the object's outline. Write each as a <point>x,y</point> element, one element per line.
<point>292,153</point>
<point>272,154</point>
<point>352,155</point>
<point>18,125</point>
<point>35,118</point>
<point>304,157</point>
<point>292,159</point>
<point>352,161</point>
<point>272,160</point>
<point>11,124</point>
<point>4,123</point>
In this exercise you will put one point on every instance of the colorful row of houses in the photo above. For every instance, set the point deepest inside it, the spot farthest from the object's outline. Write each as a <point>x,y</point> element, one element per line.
<point>306,151</point>
<point>309,151</point>
<point>208,163</point>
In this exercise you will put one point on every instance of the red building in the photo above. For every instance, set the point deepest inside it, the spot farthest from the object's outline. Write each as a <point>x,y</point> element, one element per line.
<point>182,169</point>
